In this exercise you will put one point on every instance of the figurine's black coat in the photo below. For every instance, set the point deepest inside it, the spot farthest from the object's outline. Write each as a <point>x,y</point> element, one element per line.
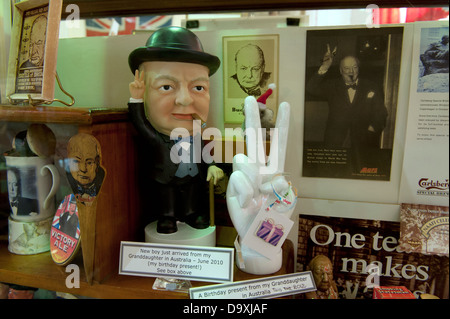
<point>168,195</point>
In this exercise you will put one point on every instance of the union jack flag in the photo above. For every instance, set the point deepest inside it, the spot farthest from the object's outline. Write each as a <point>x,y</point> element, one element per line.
<point>126,25</point>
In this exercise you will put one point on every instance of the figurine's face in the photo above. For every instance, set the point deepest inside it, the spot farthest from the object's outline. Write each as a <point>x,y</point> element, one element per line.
<point>323,274</point>
<point>349,70</point>
<point>176,94</point>
<point>83,160</point>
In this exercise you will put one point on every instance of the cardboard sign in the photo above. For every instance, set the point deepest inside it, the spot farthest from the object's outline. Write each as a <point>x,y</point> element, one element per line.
<point>269,287</point>
<point>211,264</point>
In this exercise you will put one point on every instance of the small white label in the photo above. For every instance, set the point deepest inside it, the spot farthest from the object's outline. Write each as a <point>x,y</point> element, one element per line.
<point>268,287</point>
<point>210,264</point>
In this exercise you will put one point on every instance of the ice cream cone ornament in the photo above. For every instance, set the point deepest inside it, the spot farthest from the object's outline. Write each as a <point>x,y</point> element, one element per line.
<point>263,98</point>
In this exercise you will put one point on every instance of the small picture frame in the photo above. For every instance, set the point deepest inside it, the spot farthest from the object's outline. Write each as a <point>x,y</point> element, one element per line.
<point>33,50</point>
<point>250,64</point>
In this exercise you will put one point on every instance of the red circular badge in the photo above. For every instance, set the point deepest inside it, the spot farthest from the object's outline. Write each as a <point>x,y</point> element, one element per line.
<point>65,232</point>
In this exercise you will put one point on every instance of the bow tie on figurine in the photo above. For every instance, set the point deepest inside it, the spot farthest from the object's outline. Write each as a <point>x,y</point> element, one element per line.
<point>351,86</point>
<point>14,203</point>
<point>187,139</point>
<point>184,143</point>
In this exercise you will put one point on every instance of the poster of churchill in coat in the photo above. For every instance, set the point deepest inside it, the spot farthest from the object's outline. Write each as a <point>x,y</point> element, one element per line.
<point>351,91</point>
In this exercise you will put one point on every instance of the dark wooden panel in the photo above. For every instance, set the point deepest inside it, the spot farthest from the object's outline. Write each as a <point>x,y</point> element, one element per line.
<point>104,8</point>
<point>62,115</point>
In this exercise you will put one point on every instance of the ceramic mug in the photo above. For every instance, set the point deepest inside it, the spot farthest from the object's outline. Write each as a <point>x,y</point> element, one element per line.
<point>32,185</point>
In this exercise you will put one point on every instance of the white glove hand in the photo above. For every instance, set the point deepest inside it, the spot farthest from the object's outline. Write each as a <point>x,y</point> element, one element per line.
<point>252,179</point>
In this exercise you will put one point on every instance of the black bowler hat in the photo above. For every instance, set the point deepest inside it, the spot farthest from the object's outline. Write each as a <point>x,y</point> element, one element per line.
<point>174,44</point>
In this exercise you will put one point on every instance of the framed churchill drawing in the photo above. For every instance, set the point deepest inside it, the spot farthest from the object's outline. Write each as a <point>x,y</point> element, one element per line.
<point>250,65</point>
<point>33,50</point>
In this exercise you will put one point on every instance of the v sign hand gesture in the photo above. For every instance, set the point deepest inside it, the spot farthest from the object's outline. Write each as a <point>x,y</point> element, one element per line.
<point>328,57</point>
<point>253,185</point>
<point>137,87</point>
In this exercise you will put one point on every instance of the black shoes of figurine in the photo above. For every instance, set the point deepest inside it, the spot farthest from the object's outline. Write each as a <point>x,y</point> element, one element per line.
<point>198,222</point>
<point>166,225</point>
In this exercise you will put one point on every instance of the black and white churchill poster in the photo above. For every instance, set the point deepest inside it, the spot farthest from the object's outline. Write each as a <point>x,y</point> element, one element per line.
<point>351,90</point>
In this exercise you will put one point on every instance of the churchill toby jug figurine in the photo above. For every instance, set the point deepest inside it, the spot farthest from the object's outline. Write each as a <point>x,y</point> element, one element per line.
<point>169,102</point>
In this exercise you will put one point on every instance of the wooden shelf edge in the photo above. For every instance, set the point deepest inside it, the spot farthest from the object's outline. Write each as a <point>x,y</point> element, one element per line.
<point>61,115</point>
<point>39,271</point>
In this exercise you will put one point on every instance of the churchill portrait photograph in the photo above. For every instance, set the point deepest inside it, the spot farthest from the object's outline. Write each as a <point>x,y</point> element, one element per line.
<point>351,91</point>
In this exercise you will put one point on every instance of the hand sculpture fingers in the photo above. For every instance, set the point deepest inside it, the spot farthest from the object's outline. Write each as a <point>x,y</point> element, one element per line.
<point>247,187</point>
<point>254,138</point>
<point>251,164</point>
<point>244,182</point>
<point>255,187</point>
<point>277,183</point>
<point>279,139</point>
<point>253,132</point>
<point>240,201</point>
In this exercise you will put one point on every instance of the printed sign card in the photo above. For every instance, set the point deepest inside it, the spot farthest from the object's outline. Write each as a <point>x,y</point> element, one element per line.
<point>265,287</point>
<point>425,171</point>
<point>211,264</point>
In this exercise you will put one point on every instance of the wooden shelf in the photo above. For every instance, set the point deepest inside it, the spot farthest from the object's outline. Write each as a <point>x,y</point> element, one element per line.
<point>41,272</point>
<point>118,213</point>
<point>61,115</point>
